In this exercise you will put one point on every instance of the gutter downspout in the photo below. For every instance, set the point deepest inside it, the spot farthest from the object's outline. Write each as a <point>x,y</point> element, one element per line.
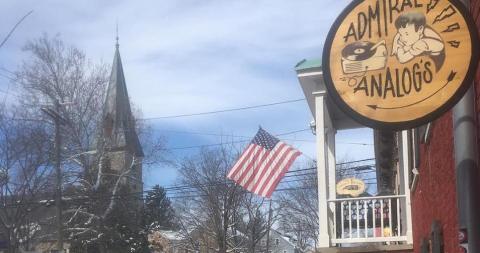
<point>466,165</point>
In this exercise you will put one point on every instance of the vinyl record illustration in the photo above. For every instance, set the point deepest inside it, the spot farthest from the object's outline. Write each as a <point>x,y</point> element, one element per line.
<point>358,51</point>
<point>361,56</point>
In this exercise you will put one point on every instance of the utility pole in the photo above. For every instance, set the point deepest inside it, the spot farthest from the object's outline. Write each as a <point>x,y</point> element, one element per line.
<point>466,165</point>
<point>58,121</point>
<point>269,225</point>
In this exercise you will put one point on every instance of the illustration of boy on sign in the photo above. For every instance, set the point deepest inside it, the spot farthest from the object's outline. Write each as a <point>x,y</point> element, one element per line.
<point>414,38</point>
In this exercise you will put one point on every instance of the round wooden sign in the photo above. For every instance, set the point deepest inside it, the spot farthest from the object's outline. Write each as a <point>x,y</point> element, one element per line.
<point>393,64</point>
<point>351,186</point>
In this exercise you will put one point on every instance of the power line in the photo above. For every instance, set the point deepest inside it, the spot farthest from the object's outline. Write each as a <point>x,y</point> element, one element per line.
<point>224,110</point>
<point>50,202</point>
<point>180,189</point>
<point>7,71</point>
<point>245,140</point>
<point>357,161</point>
<point>171,187</point>
<point>231,142</point>
<point>7,77</point>
<point>15,27</point>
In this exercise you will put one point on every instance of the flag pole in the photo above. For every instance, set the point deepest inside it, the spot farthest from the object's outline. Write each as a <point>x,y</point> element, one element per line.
<point>268,224</point>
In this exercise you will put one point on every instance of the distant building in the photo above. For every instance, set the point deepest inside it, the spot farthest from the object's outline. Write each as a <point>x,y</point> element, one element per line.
<point>166,241</point>
<point>278,243</point>
<point>163,241</point>
<point>196,242</point>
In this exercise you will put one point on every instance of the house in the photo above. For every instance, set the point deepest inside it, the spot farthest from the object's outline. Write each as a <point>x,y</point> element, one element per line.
<point>166,241</point>
<point>277,243</point>
<point>193,241</point>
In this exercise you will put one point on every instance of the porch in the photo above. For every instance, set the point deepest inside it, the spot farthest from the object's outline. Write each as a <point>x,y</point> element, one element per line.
<point>374,222</point>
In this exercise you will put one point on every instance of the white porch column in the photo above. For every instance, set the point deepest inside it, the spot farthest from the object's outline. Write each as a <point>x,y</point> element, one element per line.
<point>405,186</point>
<point>320,108</point>
<point>331,183</point>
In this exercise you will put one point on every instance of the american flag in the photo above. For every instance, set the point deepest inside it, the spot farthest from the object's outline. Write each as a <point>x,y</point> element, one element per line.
<point>263,164</point>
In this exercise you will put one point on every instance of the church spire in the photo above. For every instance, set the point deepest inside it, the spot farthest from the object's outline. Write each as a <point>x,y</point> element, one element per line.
<point>118,121</point>
<point>116,37</point>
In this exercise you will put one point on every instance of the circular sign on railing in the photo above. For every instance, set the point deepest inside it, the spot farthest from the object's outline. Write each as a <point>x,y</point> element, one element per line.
<point>400,64</point>
<point>351,186</point>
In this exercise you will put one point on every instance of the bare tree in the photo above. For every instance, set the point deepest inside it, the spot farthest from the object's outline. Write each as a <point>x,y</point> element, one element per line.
<point>215,206</point>
<point>56,72</point>
<point>256,222</point>
<point>97,197</point>
<point>102,212</point>
<point>299,212</point>
<point>24,178</point>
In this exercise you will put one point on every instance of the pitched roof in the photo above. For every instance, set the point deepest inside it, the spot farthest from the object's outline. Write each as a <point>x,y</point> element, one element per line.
<point>308,64</point>
<point>118,121</point>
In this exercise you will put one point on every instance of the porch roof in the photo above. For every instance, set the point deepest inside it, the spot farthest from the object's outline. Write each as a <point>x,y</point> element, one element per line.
<point>310,76</point>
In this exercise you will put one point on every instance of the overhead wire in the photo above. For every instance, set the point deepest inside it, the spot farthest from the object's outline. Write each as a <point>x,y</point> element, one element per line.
<point>224,110</point>
<point>182,189</point>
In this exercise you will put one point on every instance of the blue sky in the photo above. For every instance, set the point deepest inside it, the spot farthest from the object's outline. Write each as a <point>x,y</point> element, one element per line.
<point>192,56</point>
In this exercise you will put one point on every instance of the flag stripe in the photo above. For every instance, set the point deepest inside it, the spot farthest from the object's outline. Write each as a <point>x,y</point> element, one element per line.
<point>266,171</point>
<point>254,172</point>
<point>252,165</point>
<point>280,167</point>
<point>266,164</point>
<point>271,168</point>
<point>250,159</point>
<point>272,172</point>
<point>272,188</point>
<point>258,172</point>
<point>240,161</point>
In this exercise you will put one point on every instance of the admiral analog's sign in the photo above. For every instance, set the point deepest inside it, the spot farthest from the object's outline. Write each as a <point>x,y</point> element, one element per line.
<point>397,64</point>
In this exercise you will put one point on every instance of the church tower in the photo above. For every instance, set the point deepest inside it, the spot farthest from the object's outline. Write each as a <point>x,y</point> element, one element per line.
<point>119,138</point>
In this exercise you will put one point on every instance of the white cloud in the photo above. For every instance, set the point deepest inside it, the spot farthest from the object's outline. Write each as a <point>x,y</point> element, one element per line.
<point>194,55</point>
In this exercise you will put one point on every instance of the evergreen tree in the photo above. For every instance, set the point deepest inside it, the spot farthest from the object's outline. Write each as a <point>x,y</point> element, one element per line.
<point>158,210</point>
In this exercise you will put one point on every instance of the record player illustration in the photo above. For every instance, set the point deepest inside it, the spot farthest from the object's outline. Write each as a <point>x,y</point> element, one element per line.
<point>361,56</point>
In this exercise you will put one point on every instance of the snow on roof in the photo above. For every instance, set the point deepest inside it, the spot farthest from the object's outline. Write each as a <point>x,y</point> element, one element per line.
<point>171,235</point>
<point>284,237</point>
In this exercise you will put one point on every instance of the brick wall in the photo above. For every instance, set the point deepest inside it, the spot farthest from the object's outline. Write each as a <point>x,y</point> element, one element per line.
<point>435,197</point>
<point>475,11</point>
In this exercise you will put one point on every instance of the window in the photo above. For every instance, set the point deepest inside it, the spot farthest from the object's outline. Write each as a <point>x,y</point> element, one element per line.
<point>263,242</point>
<point>277,241</point>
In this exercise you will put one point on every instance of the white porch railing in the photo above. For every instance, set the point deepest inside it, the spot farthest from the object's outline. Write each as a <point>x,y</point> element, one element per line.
<point>367,219</point>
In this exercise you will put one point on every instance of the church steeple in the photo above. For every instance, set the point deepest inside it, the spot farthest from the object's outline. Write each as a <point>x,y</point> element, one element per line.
<point>116,37</point>
<point>118,121</point>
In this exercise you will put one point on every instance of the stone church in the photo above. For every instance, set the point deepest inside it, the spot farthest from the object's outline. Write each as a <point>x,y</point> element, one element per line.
<point>118,136</point>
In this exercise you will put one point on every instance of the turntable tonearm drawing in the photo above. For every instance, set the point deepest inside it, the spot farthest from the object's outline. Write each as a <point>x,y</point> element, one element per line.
<point>361,56</point>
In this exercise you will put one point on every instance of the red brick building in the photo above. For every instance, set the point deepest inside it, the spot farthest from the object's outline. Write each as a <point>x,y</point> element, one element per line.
<point>435,195</point>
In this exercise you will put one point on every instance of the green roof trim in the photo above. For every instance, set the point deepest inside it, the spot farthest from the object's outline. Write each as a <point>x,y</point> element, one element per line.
<point>308,64</point>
